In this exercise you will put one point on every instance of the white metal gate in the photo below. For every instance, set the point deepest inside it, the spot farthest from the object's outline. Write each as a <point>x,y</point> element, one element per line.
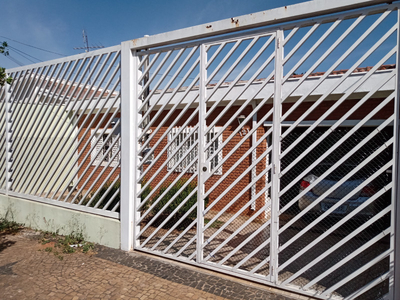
<point>264,146</point>
<point>269,153</point>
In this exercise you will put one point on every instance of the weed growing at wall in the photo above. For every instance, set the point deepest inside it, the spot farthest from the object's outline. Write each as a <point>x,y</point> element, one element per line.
<point>8,226</point>
<point>67,244</point>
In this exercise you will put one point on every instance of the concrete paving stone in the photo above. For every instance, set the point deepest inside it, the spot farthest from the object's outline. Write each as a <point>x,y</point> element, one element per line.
<point>27,273</point>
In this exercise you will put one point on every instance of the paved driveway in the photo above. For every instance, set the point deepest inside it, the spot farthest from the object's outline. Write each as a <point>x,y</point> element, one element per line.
<point>27,273</point>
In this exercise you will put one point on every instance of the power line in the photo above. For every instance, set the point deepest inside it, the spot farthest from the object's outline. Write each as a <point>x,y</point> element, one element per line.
<point>32,46</point>
<point>14,60</point>
<point>24,55</point>
<point>30,60</point>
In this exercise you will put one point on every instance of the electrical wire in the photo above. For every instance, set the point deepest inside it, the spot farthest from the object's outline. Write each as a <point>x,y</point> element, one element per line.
<point>4,37</point>
<point>16,51</point>
<point>14,60</point>
<point>24,54</point>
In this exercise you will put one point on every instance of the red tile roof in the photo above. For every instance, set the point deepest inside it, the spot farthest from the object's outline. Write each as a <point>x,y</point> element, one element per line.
<point>340,72</point>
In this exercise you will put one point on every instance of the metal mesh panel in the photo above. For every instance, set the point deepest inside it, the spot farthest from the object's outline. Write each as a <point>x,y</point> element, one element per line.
<point>66,131</point>
<point>336,156</point>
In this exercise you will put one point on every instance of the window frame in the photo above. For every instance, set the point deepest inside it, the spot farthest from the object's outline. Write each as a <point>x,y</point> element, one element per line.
<point>95,146</point>
<point>189,131</point>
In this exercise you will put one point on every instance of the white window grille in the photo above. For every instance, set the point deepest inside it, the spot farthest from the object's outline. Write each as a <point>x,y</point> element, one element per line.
<point>101,147</point>
<point>177,141</point>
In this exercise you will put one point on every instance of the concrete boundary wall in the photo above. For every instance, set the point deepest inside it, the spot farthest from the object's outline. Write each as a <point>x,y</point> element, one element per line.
<point>40,216</point>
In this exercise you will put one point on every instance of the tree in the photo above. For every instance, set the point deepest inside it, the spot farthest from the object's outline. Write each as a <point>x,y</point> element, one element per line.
<point>3,76</point>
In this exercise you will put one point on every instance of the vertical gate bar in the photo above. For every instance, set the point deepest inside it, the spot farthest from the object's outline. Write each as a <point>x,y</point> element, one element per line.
<point>146,93</point>
<point>253,156</point>
<point>267,196</point>
<point>8,137</point>
<point>202,167</point>
<point>276,136</point>
<point>135,156</point>
<point>394,290</point>
<point>128,157</point>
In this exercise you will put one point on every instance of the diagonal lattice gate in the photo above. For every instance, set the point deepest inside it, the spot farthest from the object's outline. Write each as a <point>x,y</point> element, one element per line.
<point>269,154</point>
<point>60,128</point>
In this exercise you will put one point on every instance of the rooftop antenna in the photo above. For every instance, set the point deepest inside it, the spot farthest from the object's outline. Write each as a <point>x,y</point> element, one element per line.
<point>86,46</point>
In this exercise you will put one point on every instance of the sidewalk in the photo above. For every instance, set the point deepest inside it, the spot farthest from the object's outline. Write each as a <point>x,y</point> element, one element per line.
<point>29,271</point>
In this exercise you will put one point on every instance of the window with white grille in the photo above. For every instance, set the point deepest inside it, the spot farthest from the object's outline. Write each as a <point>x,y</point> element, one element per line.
<point>100,145</point>
<point>180,148</point>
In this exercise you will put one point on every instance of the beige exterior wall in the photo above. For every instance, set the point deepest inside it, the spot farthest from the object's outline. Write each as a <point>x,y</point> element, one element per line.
<point>37,128</point>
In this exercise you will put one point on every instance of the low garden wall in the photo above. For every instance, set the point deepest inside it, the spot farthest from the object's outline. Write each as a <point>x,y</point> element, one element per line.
<point>41,216</point>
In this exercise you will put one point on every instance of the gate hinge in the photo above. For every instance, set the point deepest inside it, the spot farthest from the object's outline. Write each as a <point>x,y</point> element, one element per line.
<point>278,43</point>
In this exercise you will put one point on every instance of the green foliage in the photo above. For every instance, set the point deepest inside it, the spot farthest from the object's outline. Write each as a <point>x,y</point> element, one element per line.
<point>64,243</point>
<point>9,226</point>
<point>87,247</point>
<point>45,241</point>
<point>3,75</point>
<point>94,200</point>
<point>174,191</point>
<point>3,48</point>
<point>72,239</point>
<point>178,199</point>
<point>144,195</point>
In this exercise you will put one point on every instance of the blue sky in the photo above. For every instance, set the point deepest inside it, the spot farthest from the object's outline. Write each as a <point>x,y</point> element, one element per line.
<point>57,25</point>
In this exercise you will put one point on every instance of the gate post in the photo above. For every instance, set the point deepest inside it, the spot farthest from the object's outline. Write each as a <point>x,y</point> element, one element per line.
<point>202,168</point>
<point>276,149</point>
<point>128,157</point>
<point>8,137</point>
<point>395,292</point>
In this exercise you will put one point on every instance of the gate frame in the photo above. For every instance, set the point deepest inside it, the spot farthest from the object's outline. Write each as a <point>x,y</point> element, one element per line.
<point>276,152</point>
<point>274,18</point>
<point>128,147</point>
<point>396,179</point>
<point>201,151</point>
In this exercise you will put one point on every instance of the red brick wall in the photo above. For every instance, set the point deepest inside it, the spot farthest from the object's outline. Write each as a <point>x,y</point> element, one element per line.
<point>89,176</point>
<point>225,184</point>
